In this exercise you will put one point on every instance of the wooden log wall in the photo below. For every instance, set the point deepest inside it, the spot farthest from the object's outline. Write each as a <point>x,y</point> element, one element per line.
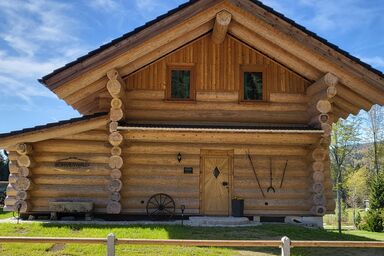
<point>53,183</point>
<point>151,166</point>
<point>217,75</point>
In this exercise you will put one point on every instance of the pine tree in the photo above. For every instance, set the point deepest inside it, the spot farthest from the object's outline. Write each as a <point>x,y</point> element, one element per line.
<point>376,198</point>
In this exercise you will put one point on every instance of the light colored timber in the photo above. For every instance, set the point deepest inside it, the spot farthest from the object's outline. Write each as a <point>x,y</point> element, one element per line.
<point>113,126</point>
<point>252,17</point>
<point>25,161</point>
<point>116,151</point>
<point>318,176</point>
<point>194,148</point>
<point>22,206</point>
<point>318,199</point>
<point>317,187</point>
<point>324,106</point>
<point>339,112</point>
<point>222,21</point>
<point>116,114</point>
<point>93,158</point>
<point>318,210</point>
<point>317,120</point>
<point>115,196</point>
<point>116,103</point>
<point>319,154</point>
<point>224,137</point>
<point>69,190</point>
<point>67,146</point>
<point>54,132</point>
<point>113,207</point>
<point>70,180</point>
<point>114,185</point>
<point>346,105</point>
<point>213,96</point>
<point>13,167</point>
<point>288,98</point>
<point>115,162</point>
<point>115,138</point>
<point>318,166</point>
<point>323,84</point>
<point>22,184</point>
<point>49,168</point>
<point>115,85</point>
<point>137,48</point>
<point>93,135</point>
<point>115,174</point>
<point>327,128</point>
<point>24,149</point>
<point>357,99</point>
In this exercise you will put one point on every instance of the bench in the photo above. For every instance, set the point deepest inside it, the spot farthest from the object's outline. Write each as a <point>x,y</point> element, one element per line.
<point>71,206</point>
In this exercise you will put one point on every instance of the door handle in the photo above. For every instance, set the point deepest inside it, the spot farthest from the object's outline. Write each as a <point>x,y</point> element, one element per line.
<point>225,183</point>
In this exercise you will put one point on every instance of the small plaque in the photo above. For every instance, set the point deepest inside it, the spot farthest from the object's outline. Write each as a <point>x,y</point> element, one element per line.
<point>188,170</point>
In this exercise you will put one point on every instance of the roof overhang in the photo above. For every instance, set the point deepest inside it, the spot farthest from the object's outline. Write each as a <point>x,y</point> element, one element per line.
<point>54,130</point>
<point>252,22</point>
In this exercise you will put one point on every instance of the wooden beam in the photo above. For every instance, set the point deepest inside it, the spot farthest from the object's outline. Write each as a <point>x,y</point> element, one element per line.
<point>307,49</point>
<point>328,80</point>
<point>54,132</point>
<point>222,21</point>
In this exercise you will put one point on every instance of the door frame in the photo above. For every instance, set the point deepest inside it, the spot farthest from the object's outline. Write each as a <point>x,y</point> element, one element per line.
<point>220,153</point>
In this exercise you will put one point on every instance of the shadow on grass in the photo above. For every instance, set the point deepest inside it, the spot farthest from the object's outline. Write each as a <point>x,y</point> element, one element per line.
<point>263,232</point>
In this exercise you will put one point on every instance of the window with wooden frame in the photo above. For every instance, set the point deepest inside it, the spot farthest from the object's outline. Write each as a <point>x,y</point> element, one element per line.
<point>252,84</point>
<point>180,83</point>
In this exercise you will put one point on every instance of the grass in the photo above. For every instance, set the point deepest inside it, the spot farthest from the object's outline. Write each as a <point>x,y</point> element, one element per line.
<point>5,215</point>
<point>272,231</point>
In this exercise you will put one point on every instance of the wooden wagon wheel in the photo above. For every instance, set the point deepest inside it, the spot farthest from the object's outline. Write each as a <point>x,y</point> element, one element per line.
<point>160,206</point>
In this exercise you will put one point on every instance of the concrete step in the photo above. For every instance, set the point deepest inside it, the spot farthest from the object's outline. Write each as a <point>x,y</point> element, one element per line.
<point>209,221</point>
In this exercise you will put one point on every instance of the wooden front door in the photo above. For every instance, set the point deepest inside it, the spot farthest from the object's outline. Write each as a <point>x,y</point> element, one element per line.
<point>216,182</point>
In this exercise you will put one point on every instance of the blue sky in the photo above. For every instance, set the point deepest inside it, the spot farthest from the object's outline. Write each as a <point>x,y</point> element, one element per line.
<point>38,36</point>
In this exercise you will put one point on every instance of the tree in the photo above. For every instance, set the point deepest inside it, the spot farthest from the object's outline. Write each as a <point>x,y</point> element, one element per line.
<point>4,172</point>
<point>345,136</point>
<point>376,135</point>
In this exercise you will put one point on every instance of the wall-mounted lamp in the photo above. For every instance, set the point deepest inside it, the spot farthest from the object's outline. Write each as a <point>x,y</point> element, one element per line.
<point>179,157</point>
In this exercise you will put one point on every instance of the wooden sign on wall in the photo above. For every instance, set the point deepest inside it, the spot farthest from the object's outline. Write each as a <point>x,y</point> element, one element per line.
<point>72,164</point>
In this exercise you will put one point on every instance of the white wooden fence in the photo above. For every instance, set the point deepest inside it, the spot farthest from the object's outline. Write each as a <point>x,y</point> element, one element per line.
<point>111,241</point>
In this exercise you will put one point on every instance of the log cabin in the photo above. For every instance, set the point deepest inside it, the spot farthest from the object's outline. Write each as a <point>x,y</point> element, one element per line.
<point>215,100</point>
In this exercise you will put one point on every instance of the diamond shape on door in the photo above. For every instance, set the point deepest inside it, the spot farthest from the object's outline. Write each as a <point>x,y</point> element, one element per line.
<point>216,172</point>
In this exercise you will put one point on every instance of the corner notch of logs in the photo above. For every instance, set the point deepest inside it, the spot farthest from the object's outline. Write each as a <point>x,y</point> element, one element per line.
<point>116,88</point>
<point>19,179</point>
<point>320,95</point>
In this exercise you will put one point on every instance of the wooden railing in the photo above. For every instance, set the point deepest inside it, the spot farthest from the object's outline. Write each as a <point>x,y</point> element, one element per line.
<point>111,241</point>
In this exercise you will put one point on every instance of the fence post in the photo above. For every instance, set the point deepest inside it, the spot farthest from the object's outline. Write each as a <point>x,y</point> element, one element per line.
<point>111,240</point>
<point>285,246</point>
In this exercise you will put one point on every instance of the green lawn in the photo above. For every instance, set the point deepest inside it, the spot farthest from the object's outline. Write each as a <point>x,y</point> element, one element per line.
<point>5,215</point>
<point>272,231</point>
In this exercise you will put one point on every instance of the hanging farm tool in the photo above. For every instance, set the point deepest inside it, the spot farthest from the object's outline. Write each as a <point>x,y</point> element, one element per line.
<point>270,188</point>
<point>254,172</point>
<point>282,178</point>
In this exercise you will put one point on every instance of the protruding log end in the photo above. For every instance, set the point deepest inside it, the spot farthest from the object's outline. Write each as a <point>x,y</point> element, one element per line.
<point>115,162</point>
<point>22,206</point>
<point>319,154</point>
<point>116,151</point>
<point>318,199</point>
<point>115,185</point>
<point>112,74</point>
<point>25,161</point>
<point>116,114</point>
<point>24,149</point>
<point>318,176</point>
<point>22,184</point>
<point>113,126</point>
<point>113,207</point>
<point>330,79</point>
<point>116,174</point>
<point>115,197</point>
<point>223,19</point>
<point>115,138</point>
<point>318,210</point>
<point>318,187</point>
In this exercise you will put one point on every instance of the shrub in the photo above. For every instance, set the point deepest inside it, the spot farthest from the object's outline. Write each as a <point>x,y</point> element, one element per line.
<point>374,221</point>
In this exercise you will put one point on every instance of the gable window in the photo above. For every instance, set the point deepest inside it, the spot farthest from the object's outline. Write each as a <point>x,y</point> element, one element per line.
<point>252,84</point>
<point>180,83</point>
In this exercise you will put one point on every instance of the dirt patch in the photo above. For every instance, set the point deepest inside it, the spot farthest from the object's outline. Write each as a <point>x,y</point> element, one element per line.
<point>56,248</point>
<point>21,230</point>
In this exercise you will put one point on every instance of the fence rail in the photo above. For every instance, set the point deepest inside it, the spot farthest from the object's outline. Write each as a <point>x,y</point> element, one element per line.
<point>111,241</point>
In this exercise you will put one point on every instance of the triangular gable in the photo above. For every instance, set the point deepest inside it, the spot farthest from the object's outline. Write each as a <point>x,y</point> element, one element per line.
<point>254,23</point>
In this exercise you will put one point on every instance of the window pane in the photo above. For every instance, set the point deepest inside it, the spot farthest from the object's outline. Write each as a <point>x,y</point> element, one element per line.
<point>180,87</point>
<point>253,86</point>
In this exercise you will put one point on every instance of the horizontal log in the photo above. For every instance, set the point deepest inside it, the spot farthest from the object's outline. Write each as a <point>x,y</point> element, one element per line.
<point>146,193</point>
<point>69,190</point>
<point>210,97</point>
<point>288,98</point>
<point>142,211</point>
<point>147,95</point>
<point>161,180</point>
<point>53,157</point>
<point>45,209</point>
<point>291,183</point>
<point>259,138</point>
<point>44,201</point>
<point>194,148</point>
<point>187,160</point>
<point>72,147</point>
<point>346,105</point>
<point>299,117</point>
<point>70,180</point>
<point>136,203</point>
<point>152,170</point>
<point>48,168</point>
<point>328,80</point>
<point>93,135</point>
<point>161,105</point>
